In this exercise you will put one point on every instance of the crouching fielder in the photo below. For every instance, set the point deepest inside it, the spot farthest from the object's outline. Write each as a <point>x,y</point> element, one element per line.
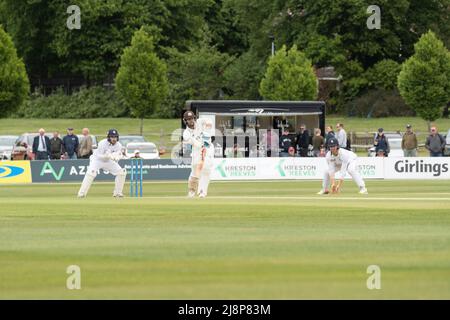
<point>106,157</point>
<point>344,161</point>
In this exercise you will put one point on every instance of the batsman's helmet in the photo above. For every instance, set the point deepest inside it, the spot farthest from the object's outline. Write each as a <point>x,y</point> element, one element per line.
<point>188,115</point>
<point>333,143</point>
<point>113,133</point>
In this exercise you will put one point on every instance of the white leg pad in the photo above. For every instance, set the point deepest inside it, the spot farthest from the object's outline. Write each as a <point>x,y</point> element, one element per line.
<point>119,183</point>
<point>193,185</point>
<point>86,184</point>
<point>203,183</point>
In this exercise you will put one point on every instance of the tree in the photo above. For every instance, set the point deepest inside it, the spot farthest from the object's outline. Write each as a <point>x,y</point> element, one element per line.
<point>289,76</point>
<point>227,33</point>
<point>334,33</point>
<point>197,74</point>
<point>14,84</point>
<point>243,75</point>
<point>383,74</point>
<point>424,81</point>
<point>49,48</point>
<point>141,81</point>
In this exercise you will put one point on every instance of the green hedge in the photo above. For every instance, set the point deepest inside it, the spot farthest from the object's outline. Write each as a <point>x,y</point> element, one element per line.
<point>93,102</point>
<point>378,103</point>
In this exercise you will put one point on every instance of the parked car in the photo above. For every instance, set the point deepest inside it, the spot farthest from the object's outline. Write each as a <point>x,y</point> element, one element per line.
<point>6,146</point>
<point>23,147</point>
<point>147,150</point>
<point>124,140</point>
<point>395,144</point>
<point>447,144</point>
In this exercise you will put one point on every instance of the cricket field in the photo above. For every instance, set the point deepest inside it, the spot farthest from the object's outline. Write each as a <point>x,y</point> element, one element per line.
<point>247,240</point>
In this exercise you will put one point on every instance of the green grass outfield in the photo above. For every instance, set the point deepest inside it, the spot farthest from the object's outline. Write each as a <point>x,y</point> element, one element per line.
<point>248,240</point>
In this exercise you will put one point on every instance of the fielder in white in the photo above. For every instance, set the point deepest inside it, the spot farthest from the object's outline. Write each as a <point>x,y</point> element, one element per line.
<point>106,157</point>
<point>197,136</point>
<point>344,161</point>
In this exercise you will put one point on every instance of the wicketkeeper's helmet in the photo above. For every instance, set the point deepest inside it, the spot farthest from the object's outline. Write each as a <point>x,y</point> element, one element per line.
<point>333,143</point>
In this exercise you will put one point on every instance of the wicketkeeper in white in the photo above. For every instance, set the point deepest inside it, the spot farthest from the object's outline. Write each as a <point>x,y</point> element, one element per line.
<point>197,136</point>
<point>106,157</point>
<point>344,161</point>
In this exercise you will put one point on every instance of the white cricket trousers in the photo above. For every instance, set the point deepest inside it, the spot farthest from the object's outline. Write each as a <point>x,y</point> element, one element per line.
<point>351,169</point>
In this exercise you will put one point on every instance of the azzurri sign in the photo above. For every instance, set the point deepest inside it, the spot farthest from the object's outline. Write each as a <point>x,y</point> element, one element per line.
<point>74,170</point>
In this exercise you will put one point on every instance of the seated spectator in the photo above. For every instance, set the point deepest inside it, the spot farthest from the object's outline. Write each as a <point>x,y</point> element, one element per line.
<point>136,154</point>
<point>285,143</point>
<point>234,152</point>
<point>291,152</point>
<point>323,151</point>
<point>380,153</point>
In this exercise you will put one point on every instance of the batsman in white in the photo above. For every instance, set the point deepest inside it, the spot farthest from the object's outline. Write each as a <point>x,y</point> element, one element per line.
<point>197,136</point>
<point>106,157</point>
<point>207,157</point>
<point>344,161</point>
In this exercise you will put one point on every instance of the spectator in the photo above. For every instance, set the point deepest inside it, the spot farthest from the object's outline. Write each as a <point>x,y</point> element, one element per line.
<point>254,153</point>
<point>302,142</point>
<point>85,150</point>
<point>381,143</point>
<point>285,143</point>
<point>41,146</point>
<point>317,142</point>
<point>409,143</point>
<point>291,152</point>
<point>136,154</point>
<point>234,152</point>
<point>380,153</point>
<point>272,140</point>
<point>341,136</point>
<point>70,145</point>
<point>56,146</point>
<point>329,133</point>
<point>323,151</point>
<point>435,143</point>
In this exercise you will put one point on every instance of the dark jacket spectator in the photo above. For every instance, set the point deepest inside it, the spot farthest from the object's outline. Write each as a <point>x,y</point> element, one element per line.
<point>71,144</point>
<point>302,141</point>
<point>56,147</point>
<point>285,143</point>
<point>381,143</point>
<point>41,146</point>
<point>329,133</point>
<point>435,143</point>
